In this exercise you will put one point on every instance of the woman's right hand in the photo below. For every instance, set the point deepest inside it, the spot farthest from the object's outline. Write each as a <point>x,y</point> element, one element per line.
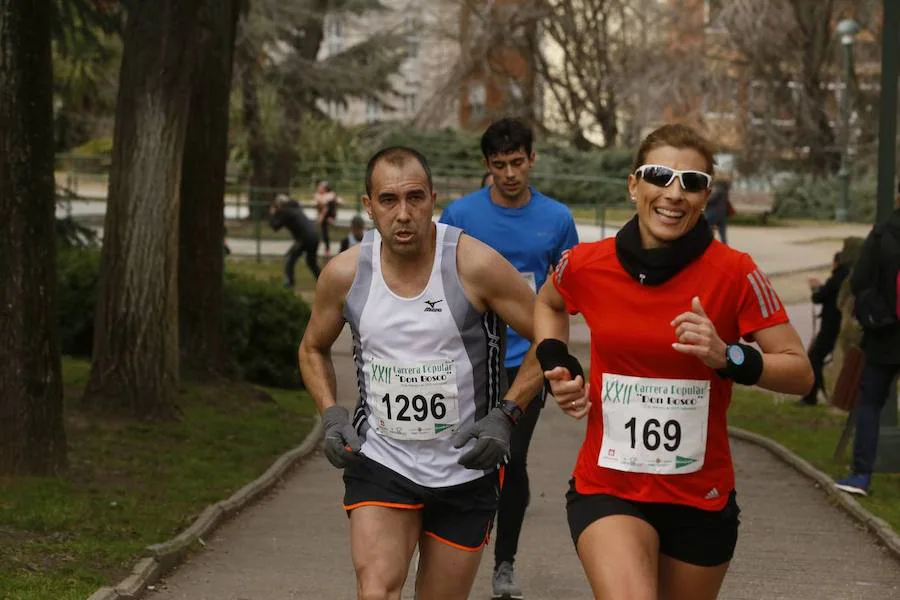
<point>572,395</point>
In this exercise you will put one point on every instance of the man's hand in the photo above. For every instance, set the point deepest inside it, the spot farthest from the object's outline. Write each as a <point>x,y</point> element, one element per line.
<point>342,444</point>
<point>814,282</point>
<point>572,395</point>
<point>492,446</point>
<point>696,335</point>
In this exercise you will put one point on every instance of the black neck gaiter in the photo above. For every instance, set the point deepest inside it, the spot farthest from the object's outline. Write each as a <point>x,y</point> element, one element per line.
<point>657,265</point>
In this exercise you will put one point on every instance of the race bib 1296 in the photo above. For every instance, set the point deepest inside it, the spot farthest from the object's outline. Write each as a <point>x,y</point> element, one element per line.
<point>414,400</point>
<point>654,426</point>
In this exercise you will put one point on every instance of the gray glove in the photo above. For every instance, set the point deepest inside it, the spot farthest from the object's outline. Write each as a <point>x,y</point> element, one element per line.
<point>492,448</point>
<point>342,444</point>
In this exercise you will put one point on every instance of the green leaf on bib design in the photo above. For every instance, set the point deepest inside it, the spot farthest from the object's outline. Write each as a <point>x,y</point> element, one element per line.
<point>683,461</point>
<point>439,427</point>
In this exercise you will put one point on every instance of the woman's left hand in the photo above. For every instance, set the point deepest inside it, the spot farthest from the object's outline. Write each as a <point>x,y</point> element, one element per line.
<point>695,334</point>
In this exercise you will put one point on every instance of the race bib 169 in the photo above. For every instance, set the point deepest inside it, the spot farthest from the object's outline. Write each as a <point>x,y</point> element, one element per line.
<point>654,426</point>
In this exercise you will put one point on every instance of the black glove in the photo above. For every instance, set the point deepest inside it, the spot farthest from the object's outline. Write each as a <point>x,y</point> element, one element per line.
<point>342,444</point>
<point>552,353</point>
<point>492,448</point>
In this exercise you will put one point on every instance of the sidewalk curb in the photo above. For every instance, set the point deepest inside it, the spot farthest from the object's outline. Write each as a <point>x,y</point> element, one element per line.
<point>160,558</point>
<point>879,527</point>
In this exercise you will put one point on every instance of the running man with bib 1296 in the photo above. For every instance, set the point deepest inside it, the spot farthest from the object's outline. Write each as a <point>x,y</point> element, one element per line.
<point>433,419</point>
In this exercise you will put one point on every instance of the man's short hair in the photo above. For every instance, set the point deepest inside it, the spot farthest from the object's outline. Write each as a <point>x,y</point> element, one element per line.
<point>397,156</point>
<point>505,136</point>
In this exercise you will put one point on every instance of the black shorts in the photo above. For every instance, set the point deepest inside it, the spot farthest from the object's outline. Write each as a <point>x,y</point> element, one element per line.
<point>692,535</point>
<point>460,515</point>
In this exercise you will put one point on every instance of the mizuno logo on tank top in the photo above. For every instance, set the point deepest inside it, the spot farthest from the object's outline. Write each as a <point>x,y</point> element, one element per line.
<point>431,306</point>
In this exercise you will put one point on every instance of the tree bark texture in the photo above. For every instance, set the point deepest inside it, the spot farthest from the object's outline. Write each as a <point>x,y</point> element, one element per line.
<point>201,256</point>
<point>256,142</point>
<point>32,437</point>
<point>135,358</point>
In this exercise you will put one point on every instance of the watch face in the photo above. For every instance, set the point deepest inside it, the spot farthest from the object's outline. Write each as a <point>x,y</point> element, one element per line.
<point>736,355</point>
<point>511,408</point>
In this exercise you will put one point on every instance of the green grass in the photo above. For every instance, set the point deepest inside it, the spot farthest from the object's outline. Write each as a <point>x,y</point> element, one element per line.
<point>242,228</point>
<point>812,433</point>
<point>270,270</point>
<point>135,483</point>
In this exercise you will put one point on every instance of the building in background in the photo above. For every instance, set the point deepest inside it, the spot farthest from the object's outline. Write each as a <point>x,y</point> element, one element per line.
<point>498,41</point>
<point>731,106</point>
<point>431,56</point>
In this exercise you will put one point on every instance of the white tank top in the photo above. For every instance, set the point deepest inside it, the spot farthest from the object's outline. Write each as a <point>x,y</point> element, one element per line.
<point>426,365</point>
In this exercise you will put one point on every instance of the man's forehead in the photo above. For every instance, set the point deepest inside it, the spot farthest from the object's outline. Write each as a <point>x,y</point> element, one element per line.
<point>388,176</point>
<point>509,156</point>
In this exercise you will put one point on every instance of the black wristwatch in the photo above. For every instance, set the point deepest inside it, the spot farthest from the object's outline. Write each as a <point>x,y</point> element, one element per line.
<point>511,410</point>
<point>743,364</point>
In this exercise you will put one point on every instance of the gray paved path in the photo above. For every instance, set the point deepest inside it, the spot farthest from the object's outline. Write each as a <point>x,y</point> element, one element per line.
<point>794,544</point>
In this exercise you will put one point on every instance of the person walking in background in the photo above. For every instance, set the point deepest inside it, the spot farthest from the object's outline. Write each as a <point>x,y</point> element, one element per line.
<point>875,283</point>
<point>357,230</point>
<point>326,210</point>
<point>288,213</point>
<point>531,231</point>
<point>718,208</point>
<point>825,294</point>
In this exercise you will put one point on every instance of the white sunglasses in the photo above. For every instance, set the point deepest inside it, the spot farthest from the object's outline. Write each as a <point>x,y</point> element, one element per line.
<point>663,176</point>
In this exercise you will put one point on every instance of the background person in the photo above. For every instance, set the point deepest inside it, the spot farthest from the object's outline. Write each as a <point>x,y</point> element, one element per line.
<point>288,213</point>
<point>719,208</point>
<point>875,283</point>
<point>531,231</point>
<point>326,201</point>
<point>825,294</point>
<point>355,236</point>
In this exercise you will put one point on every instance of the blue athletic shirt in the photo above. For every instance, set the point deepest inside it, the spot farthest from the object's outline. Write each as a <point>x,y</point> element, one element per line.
<point>532,238</point>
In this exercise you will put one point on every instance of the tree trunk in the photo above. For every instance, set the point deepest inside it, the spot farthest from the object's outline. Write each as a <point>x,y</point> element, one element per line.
<point>135,357</point>
<point>256,142</point>
<point>273,162</point>
<point>201,256</point>
<point>284,153</point>
<point>32,437</point>
<point>609,123</point>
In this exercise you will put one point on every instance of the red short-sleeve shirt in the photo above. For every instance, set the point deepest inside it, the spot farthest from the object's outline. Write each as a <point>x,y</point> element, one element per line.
<point>632,337</point>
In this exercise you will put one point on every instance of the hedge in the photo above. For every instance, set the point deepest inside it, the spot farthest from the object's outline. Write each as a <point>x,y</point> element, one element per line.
<point>263,322</point>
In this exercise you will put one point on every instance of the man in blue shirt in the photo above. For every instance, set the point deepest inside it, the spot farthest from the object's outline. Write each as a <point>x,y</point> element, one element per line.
<point>531,231</point>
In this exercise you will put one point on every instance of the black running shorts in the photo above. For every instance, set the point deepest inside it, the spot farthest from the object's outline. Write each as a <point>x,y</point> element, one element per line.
<point>459,516</point>
<point>698,537</point>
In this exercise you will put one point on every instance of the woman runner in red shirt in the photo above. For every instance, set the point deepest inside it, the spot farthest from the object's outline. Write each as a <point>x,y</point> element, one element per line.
<point>651,504</point>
